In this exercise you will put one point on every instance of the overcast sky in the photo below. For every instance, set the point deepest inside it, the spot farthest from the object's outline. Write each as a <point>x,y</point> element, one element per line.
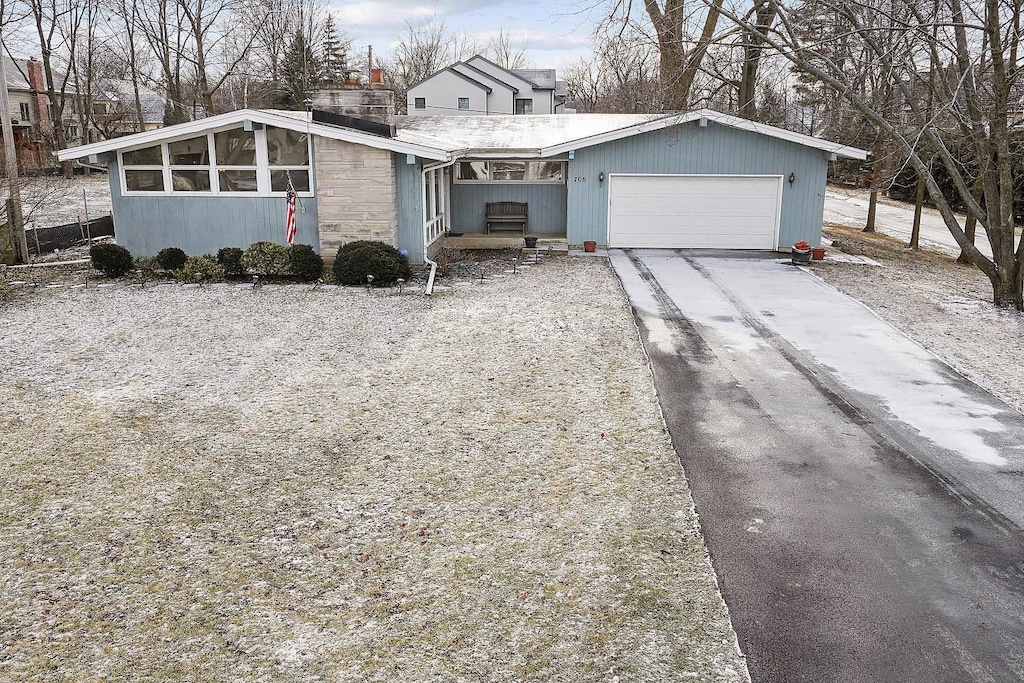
<point>555,33</point>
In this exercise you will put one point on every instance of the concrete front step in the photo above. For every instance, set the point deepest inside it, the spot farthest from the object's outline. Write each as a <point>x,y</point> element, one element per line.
<point>484,241</point>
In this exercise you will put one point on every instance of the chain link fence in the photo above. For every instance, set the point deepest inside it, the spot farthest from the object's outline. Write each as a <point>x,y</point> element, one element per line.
<point>45,240</point>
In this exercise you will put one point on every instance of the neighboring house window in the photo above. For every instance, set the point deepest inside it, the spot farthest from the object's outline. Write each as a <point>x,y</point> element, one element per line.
<point>72,132</point>
<point>511,172</point>
<point>524,106</point>
<point>190,165</point>
<point>144,169</point>
<point>463,103</point>
<point>288,153</point>
<point>23,106</point>
<point>236,160</point>
<point>420,103</point>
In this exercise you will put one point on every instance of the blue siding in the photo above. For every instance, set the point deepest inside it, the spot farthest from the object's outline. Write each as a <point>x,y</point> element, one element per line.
<point>202,225</point>
<point>547,203</point>
<point>689,148</point>
<point>410,216</point>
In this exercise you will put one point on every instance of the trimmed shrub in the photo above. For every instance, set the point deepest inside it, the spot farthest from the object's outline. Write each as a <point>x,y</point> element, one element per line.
<point>358,259</point>
<point>305,263</point>
<point>111,259</point>
<point>147,266</point>
<point>266,258</point>
<point>171,258</point>
<point>201,269</point>
<point>231,259</point>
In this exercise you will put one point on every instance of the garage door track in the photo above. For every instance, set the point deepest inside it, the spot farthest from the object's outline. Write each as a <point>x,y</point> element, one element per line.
<point>863,504</point>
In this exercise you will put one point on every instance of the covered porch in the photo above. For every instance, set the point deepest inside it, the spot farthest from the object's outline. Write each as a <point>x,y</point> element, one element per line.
<point>457,197</point>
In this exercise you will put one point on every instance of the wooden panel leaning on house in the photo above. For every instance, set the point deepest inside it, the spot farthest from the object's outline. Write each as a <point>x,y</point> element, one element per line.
<point>504,214</point>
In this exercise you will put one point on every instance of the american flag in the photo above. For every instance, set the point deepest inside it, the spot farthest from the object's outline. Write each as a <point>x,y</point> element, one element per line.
<point>290,199</point>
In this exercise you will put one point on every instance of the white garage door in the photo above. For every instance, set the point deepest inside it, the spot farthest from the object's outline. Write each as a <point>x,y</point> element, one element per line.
<point>694,211</point>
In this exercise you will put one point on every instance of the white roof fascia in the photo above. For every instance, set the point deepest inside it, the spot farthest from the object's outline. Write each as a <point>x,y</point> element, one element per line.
<point>783,134</point>
<point>723,119</point>
<point>184,130</point>
<point>478,74</point>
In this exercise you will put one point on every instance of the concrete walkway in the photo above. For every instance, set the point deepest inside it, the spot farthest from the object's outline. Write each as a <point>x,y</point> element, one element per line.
<point>863,503</point>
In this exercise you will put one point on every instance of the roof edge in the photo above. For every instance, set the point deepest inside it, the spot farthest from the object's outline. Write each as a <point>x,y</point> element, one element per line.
<point>711,115</point>
<point>259,116</point>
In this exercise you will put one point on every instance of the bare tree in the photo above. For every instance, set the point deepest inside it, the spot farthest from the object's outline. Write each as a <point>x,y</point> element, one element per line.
<point>979,40</point>
<point>507,51</point>
<point>422,51</point>
<point>621,77</point>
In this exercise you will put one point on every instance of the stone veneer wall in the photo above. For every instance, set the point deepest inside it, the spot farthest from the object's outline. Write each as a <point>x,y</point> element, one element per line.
<point>355,188</point>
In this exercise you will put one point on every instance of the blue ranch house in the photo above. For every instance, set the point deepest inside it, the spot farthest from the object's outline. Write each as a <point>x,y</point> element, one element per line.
<point>692,180</point>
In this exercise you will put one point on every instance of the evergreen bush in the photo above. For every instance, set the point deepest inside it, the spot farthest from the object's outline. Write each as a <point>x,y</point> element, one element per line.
<point>201,269</point>
<point>266,258</point>
<point>231,260</point>
<point>358,259</point>
<point>305,264</point>
<point>111,259</point>
<point>171,258</point>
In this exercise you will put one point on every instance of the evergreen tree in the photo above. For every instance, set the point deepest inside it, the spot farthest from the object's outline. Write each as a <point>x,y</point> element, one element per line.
<point>300,72</point>
<point>335,54</point>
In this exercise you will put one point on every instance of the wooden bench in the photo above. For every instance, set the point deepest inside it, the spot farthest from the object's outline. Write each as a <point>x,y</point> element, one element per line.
<point>502,214</point>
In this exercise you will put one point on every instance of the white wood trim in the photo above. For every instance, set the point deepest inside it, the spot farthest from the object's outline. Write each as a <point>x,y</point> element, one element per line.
<point>723,119</point>
<point>235,118</point>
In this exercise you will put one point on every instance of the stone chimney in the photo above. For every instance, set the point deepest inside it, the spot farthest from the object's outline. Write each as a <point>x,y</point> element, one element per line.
<point>372,104</point>
<point>40,101</point>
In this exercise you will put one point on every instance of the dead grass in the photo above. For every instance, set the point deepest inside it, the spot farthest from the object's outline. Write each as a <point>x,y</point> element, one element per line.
<point>288,485</point>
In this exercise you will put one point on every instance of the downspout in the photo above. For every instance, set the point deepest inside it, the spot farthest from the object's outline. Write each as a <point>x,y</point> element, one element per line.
<point>423,202</point>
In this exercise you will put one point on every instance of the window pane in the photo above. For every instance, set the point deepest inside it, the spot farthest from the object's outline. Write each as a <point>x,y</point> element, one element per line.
<point>420,103</point>
<point>235,147</point>
<point>544,171</point>
<point>194,152</point>
<point>279,181</point>
<point>286,147</point>
<point>463,103</point>
<point>473,170</point>
<point>508,170</point>
<point>144,156</point>
<point>237,181</point>
<point>144,181</point>
<point>524,106</point>
<point>190,181</point>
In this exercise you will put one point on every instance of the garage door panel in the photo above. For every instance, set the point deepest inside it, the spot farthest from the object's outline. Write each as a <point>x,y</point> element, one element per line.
<point>722,212</point>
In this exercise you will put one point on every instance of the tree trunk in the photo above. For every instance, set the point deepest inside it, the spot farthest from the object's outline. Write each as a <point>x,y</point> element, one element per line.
<point>971,225</point>
<point>915,232</point>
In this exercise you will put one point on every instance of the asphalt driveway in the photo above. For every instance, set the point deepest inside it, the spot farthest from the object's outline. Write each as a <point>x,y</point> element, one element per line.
<point>861,501</point>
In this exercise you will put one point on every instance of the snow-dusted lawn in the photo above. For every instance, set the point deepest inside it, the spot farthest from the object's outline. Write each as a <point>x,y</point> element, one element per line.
<point>54,200</point>
<point>287,485</point>
<point>945,307</point>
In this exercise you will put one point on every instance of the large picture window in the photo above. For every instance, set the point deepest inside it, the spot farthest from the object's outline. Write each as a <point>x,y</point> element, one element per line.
<point>144,169</point>
<point>510,172</point>
<point>228,161</point>
<point>236,160</point>
<point>288,154</point>
<point>190,165</point>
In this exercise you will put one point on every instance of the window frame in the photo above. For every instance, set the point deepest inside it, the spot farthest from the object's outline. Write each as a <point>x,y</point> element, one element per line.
<point>416,102</point>
<point>458,179</point>
<point>262,168</point>
<point>25,110</point>
<point>460,101</point>
<point>525,101</point>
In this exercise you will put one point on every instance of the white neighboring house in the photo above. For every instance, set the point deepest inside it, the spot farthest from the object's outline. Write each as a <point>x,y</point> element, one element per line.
<point>478,87</point>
